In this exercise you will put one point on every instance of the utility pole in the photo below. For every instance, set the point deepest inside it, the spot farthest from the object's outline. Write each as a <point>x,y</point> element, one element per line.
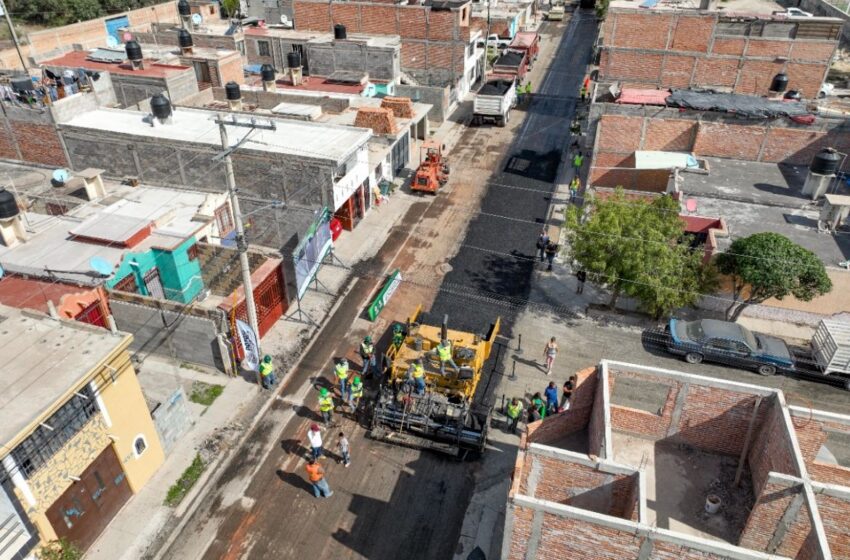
<point>14,35</point>
<point>241,244</point>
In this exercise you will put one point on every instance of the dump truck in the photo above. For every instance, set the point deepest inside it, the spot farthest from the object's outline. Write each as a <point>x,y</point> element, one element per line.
<point>511,63</point>
<point>446,417</point>
<point>527,41</point>
<point>556,13</point>
<point>494,101</point>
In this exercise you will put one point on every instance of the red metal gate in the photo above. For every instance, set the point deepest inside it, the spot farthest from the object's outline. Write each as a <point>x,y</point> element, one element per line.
<point>93,315</point>
<point>271,305</point>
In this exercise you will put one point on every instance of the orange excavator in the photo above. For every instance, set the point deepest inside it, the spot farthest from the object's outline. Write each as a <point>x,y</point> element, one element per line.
<point>433,170</point>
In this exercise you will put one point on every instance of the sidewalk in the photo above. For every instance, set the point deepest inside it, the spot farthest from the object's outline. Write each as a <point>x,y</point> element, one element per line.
<point>216,426</point>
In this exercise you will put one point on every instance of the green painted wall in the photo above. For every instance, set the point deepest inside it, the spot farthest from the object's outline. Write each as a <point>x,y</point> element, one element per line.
<point>180,275</point>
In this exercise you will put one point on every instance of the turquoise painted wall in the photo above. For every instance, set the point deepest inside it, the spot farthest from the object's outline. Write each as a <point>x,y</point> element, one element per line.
<point>180,275</point>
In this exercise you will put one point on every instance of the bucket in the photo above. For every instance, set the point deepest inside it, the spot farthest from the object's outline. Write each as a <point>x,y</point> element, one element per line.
<point>712,504</point>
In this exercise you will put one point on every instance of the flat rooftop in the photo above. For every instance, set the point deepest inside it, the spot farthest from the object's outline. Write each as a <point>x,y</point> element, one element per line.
<point>197,126</point>
<point>742,7</point>
<point>317,84</point>
<point>171,55</point>
<point>318,37</point>
<point>79,59</point>
<point>756,197</point>
<point>42,360</point>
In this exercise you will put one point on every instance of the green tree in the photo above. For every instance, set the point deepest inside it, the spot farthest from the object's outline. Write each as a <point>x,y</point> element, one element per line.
<point>601,8</point>
<point>768,265</point>
<point>59,550</point>
<point>81,10</point>
<point>639,248</point>
<point>231,7</point>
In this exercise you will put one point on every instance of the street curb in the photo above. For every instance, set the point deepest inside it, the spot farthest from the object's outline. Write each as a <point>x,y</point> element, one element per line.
<point>216,468</point>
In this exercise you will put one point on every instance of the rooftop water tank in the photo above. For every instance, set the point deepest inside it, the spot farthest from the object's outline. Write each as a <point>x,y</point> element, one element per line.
<point>22,83</point>
<point>793,94</point>
<point>267,73</point>
<point>825,162</point>
<point>779,83</point>
<point>134,50</point>
<point>183,8</point>
<point>339,31</point>
<point>8,205</point>
<point>184,39</point>
<point>293,60</point>
<point>160,106</point>
<point>232,91</point>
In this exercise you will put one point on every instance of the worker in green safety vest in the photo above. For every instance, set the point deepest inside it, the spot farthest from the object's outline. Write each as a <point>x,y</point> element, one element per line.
<point>538,407</point>
<point>513,412</point>
<point>267,372</point>
<point>444,352</point>
<point>326,405</point>
<point>356,392</point>
<point>341,373</point>
<point>367,354</point>
<point>416,374</point>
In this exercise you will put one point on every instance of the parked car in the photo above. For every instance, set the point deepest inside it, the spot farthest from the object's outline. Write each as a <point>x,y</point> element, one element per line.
<point>729,343</point>
<point>793,13</point>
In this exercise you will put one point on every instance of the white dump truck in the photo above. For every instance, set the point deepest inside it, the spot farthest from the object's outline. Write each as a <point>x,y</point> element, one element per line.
<point>494,101</point>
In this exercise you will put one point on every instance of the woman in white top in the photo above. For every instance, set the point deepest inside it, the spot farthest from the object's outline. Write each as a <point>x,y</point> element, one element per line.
<point>549,352</point>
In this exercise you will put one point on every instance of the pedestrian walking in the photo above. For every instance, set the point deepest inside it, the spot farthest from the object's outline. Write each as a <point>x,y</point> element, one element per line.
<point>542,241</point>
<point>551,251</point>
<point>416,374</point>
<point>538,407</point>
<point>567,392</point>
<point>341,373</point>
<point>583,93</point>
<point>367,354</point>
<point>326,405</point>
<point>581,276</point>
<point>551,394</point>
<point>578,161</point>
<point>513,412</point>
<point>344,450</point>
<point>356,392</point>
<point>316,474</point>
<point>314,437</point>
<point>267,372</point>
<point>549,352</point>
<point>575,186</point>
<point>443,351</point>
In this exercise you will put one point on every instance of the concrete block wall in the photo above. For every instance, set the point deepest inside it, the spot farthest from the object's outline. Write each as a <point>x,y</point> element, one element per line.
<point>437,97</point>
<point>638,422</point>
<point>166,34</point>
<point>172,419</point>
<point>270,99</point>
<point>554,428</point>
<point>676,49</point>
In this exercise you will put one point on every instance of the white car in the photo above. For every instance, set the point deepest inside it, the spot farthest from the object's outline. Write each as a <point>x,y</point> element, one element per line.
<point>793,13</point>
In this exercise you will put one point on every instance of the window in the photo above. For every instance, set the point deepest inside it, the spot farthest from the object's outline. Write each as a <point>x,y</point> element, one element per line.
<point>224,220</point>
<point>263,48</point>
<point>49,437</point>
<point>127,284</point>
<point>139,445</point>
<point>192,252</point>
<point>153,284</point>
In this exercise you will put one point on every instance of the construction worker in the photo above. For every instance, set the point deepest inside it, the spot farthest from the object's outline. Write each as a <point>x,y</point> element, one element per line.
<point>444,352</point>
<point>367,354</point>
<point>341,373</point>
<point>513,412</point>
<point>416,373</point>
<point>326,405</point>
<point>316,474</point>
<point>583,93</point>
<point>538,407</point>
<point>398,335</point>
<point>578,160</point>
<point>528,91</point>
<point>267,372</point>
<point>575,186</point>
<point>356,392</point>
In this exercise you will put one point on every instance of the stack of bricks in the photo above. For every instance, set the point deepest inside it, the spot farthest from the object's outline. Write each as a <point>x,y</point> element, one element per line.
<point>402,107</point>
<point>379,119</point>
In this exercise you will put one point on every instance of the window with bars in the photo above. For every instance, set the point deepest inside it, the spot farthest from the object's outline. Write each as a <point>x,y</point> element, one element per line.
<point>127,284</point>
<point>263,48</point>
<point>224,220</point>
<point>52,434</point>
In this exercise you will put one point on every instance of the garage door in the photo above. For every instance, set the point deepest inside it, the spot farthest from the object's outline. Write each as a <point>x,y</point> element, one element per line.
<point>84,510</point>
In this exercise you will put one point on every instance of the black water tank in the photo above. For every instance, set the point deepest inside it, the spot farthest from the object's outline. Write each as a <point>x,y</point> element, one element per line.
<point>184,39</point>
<point>779,83</point>
<point>339,31</point>
<point>8,206</point>
<point>232,91</point>
<point>183,8</point>
<point>793,94</point>
<point>160,106</point>
<point>293,60</point>
<point>267,73</point>
<point>826,162</point>
<point>21,84</point>
<point>134,50</point>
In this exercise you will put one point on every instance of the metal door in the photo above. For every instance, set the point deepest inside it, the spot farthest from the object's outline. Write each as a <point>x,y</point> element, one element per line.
<point>270,302</point>
<point>93,315</point>
<point>113,25</point>
<point>87,507</point>
<point>153,284</point>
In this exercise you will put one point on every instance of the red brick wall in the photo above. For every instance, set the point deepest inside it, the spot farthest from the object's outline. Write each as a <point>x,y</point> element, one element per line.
<point>692,34</point>
<point>230,70</point>
<point>644,180</point>
<point>39,143</point>
<point>638,422</point>
<point>521,532</point>
<point>729,141</point>
<point>568,538</point>
<point>834,513</point>
<point>770,450</point>
<point>811,436</point>
<point>768,510</point>
<point>7,145</point>
<point>554,428</point>
<point>310,16</point>
<point>677,71</point>
<point>715,420</point>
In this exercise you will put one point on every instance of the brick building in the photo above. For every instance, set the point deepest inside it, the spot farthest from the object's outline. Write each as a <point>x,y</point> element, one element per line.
<point>628,470</point>
<point>736,52</point>
<point>437,48</point>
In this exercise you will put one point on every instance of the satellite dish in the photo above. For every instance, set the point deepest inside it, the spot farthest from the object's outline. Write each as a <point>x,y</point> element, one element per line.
<point>60,176</point>
<point>101,266</point>
<point>111,42</point>
<point>127,36</point>
<point>197,19</point>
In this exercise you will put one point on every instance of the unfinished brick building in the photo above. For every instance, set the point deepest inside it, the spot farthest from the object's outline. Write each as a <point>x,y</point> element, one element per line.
<point>626,473</point>
<point>741,53</point>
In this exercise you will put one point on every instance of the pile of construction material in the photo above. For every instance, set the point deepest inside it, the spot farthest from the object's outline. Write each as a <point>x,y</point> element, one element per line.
<point>380,120</point>
<point>402,107</point>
